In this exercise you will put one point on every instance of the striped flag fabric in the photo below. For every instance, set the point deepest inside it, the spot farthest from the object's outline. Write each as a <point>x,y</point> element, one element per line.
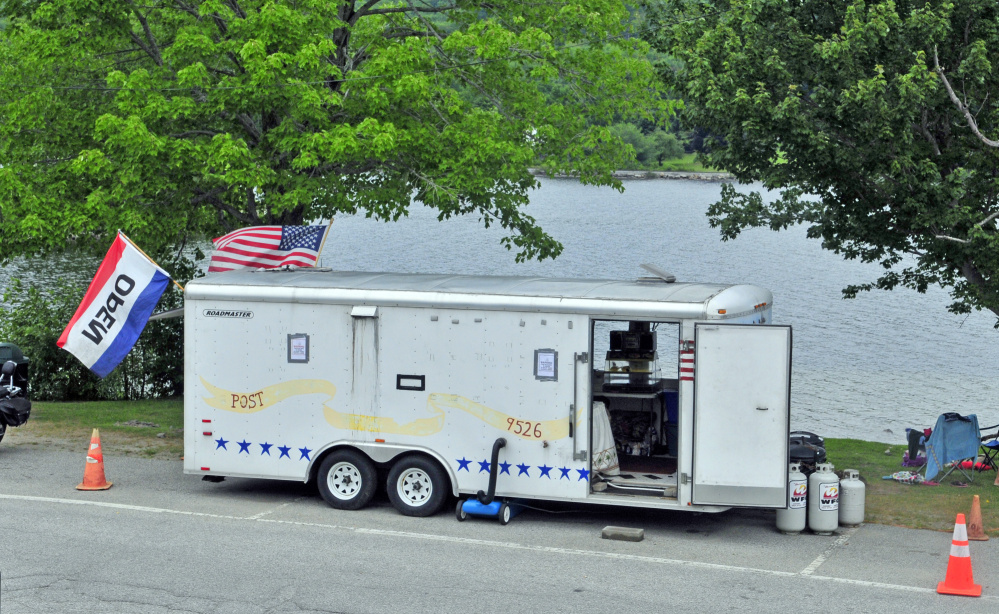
<point>115,308</point>
<point>267,247</point>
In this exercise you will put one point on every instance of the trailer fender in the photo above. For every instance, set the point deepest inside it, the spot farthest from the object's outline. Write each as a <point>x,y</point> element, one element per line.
<point>383,454</point>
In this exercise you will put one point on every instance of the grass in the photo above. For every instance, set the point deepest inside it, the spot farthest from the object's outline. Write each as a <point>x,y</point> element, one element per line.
<point>887,501</point>
<point>687,163</point>
<point>71,423</point>
<point>912,505</point>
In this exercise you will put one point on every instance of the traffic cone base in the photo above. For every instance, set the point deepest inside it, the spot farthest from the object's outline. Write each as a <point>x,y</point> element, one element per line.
<point>976,530</point>
<point>93,471</point>
<point>959,580</point>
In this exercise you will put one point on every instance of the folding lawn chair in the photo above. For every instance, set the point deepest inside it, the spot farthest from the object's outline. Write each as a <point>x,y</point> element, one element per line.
<point>955,439</point>
<point>990,448</point>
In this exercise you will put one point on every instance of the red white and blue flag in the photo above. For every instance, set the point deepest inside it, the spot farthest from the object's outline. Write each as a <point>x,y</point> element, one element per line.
<point>267,247</point>
<point>115,308</point>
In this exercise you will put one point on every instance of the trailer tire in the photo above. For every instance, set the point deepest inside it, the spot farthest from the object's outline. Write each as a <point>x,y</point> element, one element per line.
<point>417,486</point>
<point>347,480</point>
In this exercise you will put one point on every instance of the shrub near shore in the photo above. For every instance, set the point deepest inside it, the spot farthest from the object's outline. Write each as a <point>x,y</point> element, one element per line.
<point>125,429</point>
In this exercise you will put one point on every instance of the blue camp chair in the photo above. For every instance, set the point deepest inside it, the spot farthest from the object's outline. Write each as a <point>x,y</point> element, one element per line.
<point>990,448</point>
<point>955,438</point>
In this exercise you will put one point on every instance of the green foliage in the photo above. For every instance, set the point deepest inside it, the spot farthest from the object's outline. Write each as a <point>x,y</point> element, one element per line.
<point>187,119</point>
<point>650,150</point>
<point>33,321</point>
<point>840,105</point>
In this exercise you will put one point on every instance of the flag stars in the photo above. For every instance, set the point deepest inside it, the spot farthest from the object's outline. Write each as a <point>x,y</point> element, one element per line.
<point>544,471</point>
<point>220,443</point>
<point>565,472</point>
<point>463,463</point>
<point>523,470</point>
<point>244,446</point>
<point>504,468</point>
<point>284,451</point>
<point>265,448</point>
<point>483,466</point>
<point>305,453</point>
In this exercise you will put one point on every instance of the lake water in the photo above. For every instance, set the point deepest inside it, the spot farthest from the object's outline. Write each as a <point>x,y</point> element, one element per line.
<point>863,368</point>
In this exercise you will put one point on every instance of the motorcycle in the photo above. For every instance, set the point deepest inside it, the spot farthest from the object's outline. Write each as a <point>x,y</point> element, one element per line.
<point>14,404</point>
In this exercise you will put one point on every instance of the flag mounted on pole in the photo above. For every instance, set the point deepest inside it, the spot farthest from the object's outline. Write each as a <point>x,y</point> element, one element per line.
<point>267,247</point>
<point>115,308</point>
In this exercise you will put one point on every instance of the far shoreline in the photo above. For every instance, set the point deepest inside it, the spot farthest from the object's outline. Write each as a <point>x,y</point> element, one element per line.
<point>639,174</point>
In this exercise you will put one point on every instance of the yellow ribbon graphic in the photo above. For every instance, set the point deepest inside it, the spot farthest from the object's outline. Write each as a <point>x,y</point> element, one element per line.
<point>252,402</point>
<point>531,430</point>
<point>437,404</point>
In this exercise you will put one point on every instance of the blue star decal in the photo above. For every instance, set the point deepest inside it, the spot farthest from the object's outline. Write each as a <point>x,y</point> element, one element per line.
<point>505,467</point>
<point>544,471</point>
<point>244,446</point>
<point>483,466</point>
<point>265,448</point>
<point>583,474</point>
<point>462,463</point>
<point>305,454</point>
<point>284,451</point>
<point>565,472</point>
<point>523,470</point>
<point>221,443</point>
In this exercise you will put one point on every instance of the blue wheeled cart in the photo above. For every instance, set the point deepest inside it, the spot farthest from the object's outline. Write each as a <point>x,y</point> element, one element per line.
<point>504,511</point>
<point>484,503</point>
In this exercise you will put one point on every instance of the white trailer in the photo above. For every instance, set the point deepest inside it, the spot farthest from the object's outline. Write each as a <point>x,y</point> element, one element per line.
<point>363,380</point>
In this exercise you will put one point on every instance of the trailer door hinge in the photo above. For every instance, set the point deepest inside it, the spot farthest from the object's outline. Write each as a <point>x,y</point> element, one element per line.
<point>583,357</point>
<point>684,478</point>
<point>581,455</point>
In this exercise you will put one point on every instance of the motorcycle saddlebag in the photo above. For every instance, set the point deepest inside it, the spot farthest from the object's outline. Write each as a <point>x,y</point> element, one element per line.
<point>15,411</point>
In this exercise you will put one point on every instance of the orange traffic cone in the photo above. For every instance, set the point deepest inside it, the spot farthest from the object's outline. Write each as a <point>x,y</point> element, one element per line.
<point>959,580</point>
<point>976,530</point>
<point>93,471</point>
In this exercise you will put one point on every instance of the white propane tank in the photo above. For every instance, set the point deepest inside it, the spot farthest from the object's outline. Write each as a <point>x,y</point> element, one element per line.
<point>792,520</point>
<point>823,502</point>
<point>851,502</point>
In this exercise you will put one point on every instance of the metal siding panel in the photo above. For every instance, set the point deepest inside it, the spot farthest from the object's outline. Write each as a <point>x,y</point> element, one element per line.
<point>740,451</point>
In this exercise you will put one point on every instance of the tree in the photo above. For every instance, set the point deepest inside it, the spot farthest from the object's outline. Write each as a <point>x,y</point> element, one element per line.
<point>843,106</point>
<point>174,119</point>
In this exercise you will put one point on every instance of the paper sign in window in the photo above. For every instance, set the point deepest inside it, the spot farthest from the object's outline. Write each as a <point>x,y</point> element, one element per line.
<point>546,365</point>
<point>298,348</point>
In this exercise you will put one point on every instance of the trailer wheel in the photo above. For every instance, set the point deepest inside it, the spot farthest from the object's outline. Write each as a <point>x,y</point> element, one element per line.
<point>417,486</point>
<point>347,480</point>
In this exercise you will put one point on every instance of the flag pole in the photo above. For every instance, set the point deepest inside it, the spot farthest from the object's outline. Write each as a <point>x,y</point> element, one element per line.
<point>323,243</point>
<point>130,242</point>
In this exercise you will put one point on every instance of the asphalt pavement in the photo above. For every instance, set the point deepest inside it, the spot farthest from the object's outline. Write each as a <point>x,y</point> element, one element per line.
<point>161,541</point>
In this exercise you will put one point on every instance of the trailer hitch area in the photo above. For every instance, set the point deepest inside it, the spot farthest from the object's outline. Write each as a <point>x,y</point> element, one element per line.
<point>485,498</point>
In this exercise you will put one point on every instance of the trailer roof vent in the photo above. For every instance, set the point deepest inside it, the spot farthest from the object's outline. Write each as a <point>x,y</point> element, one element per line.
<point>659,275</point>
<point>364,311</point>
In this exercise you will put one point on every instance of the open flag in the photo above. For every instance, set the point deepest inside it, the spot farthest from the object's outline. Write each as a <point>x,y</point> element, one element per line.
<point>115,308</point>
<point>267,247</point>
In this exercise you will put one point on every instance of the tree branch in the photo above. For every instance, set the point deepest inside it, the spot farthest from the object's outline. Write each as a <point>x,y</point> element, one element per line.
<point>960,105</point>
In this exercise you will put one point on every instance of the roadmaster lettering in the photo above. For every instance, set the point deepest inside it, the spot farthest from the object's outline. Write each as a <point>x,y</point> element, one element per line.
<point>227,313</point>
<point>123,285</point>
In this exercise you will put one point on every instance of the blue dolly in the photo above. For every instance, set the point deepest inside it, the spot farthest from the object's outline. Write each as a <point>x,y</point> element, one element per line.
<point>484,503</point>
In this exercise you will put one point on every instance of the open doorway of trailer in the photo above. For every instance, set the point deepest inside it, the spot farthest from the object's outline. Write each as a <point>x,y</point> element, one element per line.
<point>635,419</point>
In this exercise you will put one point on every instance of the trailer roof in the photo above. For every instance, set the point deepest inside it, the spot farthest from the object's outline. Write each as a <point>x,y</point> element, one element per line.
<point>311,285</point>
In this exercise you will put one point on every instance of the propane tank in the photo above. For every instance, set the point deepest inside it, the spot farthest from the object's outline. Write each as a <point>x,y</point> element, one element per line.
<point>792,520</point>
<point>823,504</point>
<point>851,504</point>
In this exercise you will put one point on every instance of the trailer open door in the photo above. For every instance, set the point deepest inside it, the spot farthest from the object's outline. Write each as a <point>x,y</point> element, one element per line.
<point>742,389</point>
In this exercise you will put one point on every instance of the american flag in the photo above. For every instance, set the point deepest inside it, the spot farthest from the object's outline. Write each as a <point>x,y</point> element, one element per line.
<point>267,247</point>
